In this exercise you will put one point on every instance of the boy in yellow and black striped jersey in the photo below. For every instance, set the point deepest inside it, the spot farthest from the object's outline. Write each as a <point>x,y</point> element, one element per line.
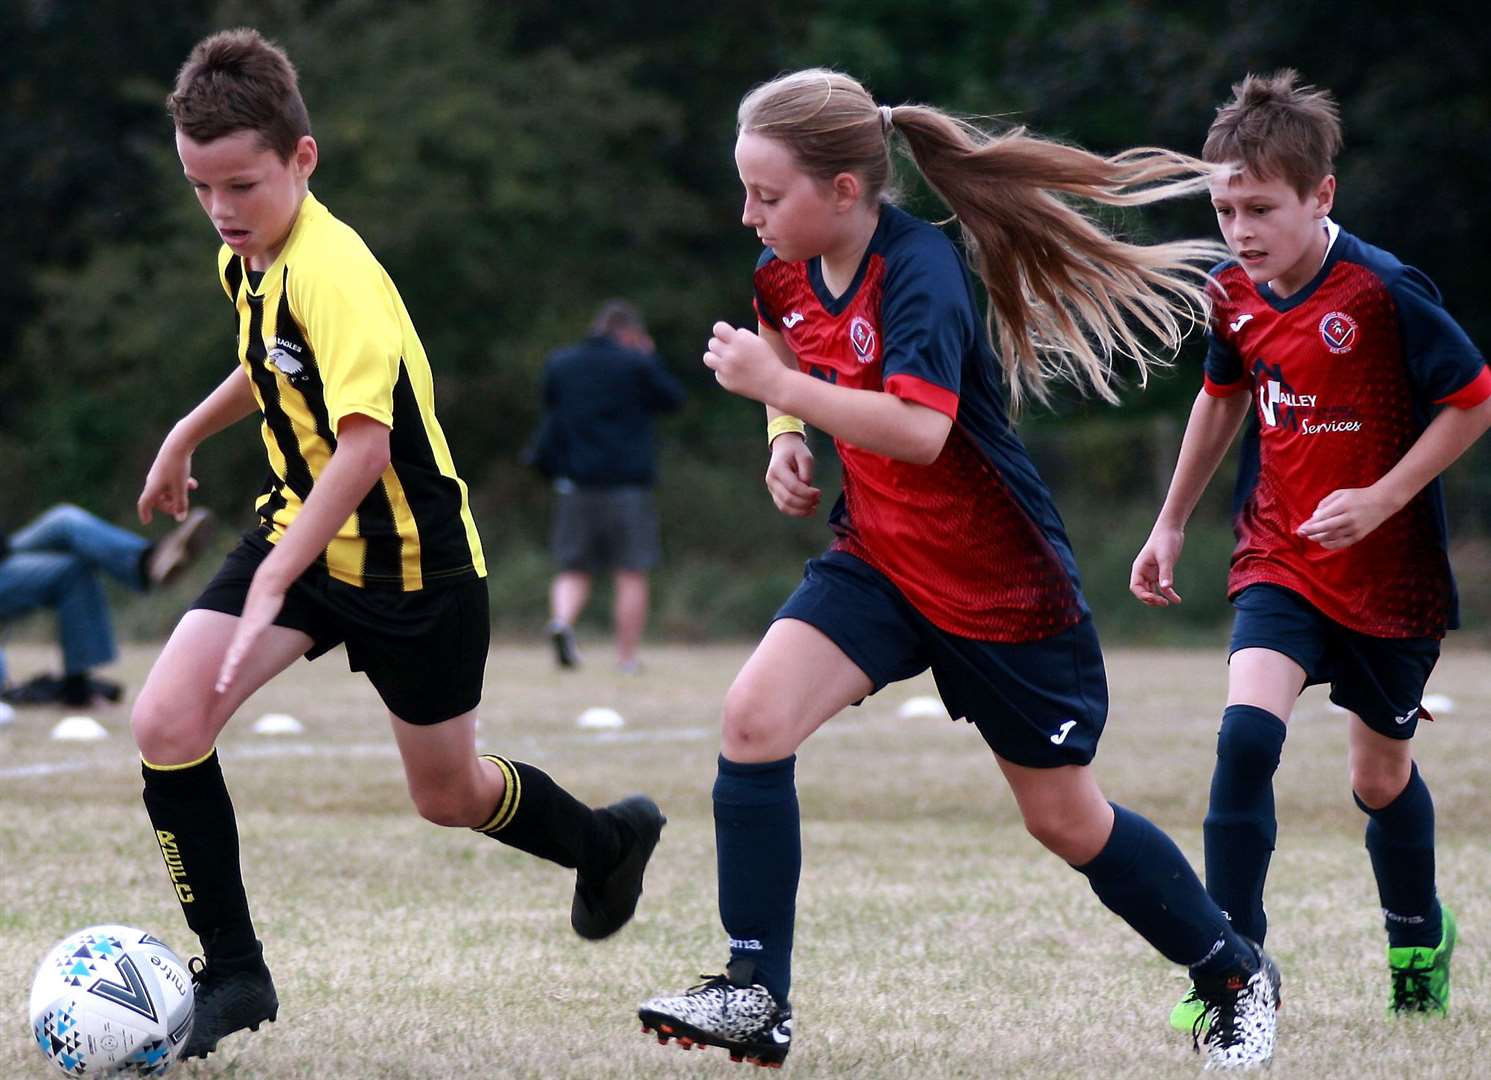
<point>365,538</point>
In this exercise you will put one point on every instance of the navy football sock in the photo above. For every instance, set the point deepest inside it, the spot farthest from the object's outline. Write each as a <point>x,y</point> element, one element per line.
<point>1141,876</point>
<point>1240,827</point>
<point>1400,840</point>
<point>758,841</point>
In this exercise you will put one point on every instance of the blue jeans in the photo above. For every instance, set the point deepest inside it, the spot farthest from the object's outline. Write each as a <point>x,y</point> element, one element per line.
<point>54,562</point>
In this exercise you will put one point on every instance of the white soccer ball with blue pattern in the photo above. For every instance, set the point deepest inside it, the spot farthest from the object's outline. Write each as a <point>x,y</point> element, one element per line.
<point>111,1001</point>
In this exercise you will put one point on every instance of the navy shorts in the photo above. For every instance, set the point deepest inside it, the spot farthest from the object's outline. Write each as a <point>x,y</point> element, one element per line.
<point>604,528</point>
<point>425,652</point>
<point>1036,703</point>
<point>1380,679</point>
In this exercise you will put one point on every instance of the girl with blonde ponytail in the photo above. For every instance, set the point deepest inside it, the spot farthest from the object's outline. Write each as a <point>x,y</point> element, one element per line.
<point>1065,295</point>
<point>948,554</point>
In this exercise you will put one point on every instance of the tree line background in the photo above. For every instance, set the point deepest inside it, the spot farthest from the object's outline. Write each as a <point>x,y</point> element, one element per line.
<point>513,164</point>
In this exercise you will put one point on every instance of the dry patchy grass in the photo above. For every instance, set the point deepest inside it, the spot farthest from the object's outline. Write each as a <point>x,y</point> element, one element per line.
<point>935,938</point>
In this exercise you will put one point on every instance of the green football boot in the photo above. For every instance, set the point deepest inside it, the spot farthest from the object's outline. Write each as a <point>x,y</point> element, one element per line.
<point>1189,1015</point>
<point>1188,1012</point>
<point>1421,976</point>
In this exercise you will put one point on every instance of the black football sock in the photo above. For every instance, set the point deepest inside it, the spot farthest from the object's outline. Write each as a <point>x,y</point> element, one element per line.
<point>198,837</point>
<point>1400,840</point>
<point>1142,877</point>
<point>758,845</point>
<point>538,816</point>
<point>1240,827</point>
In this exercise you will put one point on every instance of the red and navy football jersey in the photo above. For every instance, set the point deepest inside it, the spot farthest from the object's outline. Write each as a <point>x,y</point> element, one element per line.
<point>972,540</point>
<point>1345,375</point>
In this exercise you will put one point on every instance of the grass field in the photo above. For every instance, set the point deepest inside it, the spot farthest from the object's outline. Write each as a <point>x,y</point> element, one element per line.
<point>935,938</point>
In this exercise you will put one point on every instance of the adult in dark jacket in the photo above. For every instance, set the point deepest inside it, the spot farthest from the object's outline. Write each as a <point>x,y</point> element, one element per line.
<point>596,442</point>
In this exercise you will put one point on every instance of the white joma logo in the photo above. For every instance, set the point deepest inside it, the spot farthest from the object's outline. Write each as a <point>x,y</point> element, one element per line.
<point>1237,324</point>
<point>1060,736</point>
<point>792,320</point>
<point>1409,715</point>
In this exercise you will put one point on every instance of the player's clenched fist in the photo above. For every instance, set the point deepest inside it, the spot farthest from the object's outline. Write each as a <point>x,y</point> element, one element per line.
<point>742,363</point>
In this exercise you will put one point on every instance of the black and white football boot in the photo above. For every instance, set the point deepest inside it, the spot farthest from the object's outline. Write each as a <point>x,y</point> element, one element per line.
<point>1241,1017</point>
<point>729,1011</point>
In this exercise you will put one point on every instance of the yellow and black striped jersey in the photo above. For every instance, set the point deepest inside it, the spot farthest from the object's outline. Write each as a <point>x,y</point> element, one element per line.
<point>321,334</point>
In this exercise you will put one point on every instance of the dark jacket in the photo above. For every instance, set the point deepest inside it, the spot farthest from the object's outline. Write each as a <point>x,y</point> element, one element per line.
<point>599,400</point>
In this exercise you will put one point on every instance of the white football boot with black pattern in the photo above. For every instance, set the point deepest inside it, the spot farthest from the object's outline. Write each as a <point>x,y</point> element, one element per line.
<point>1241,1017</point>
<point>727,1010</point>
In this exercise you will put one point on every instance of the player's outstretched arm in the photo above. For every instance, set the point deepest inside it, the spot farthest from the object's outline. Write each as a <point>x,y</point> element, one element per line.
<point>1348,514</point>
<point>169,482</point>
<point>1209,432</point>
<point>361,456</point>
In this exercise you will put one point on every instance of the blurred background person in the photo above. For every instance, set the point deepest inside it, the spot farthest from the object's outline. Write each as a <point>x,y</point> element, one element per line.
<point>596,443</point>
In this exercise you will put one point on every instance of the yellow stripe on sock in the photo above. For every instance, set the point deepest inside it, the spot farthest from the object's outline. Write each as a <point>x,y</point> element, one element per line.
<point>512,794</point>
<point>177,768</point>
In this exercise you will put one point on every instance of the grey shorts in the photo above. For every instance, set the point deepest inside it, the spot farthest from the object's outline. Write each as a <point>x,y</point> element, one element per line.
<point>609,528</point>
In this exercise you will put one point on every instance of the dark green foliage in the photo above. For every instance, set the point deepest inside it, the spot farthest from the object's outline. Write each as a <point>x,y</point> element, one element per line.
<point>513,164</point>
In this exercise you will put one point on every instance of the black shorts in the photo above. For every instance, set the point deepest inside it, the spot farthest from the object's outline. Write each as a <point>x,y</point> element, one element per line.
<point>1380,679</point>
<point>425,652</point>
<point>604,528</point>
<point>1036,703</point>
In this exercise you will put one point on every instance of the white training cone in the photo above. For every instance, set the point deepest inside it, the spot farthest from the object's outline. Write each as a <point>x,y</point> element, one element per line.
<point>600,718</point>
<point>918,707</point>
<point>1439,704</point>
<point>278,723</point>
<point>78,729</point>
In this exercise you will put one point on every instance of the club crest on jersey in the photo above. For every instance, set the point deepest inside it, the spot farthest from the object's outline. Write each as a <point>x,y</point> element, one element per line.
<point>1338,331</point>
<point>862,337</point>
<point>286,364</point>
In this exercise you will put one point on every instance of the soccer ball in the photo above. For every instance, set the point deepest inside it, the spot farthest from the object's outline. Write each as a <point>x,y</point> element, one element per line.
<point>109,1001</point>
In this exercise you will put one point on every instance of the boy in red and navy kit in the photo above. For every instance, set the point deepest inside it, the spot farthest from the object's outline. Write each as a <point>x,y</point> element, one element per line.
<point>1362,390</point>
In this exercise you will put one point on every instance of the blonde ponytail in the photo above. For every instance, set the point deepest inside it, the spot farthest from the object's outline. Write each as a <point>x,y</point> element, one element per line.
<point>1067,299</point>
